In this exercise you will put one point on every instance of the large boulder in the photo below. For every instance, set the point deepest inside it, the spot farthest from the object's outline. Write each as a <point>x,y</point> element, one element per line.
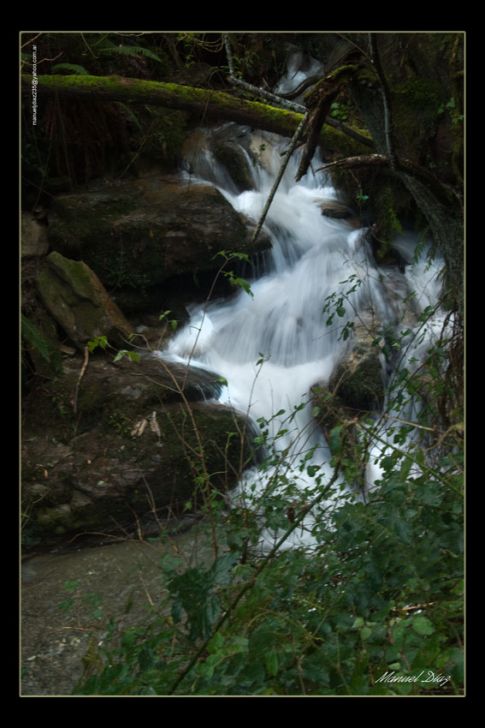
<point>132,443</point>
<point>139,233</point>
<point>78,301</point>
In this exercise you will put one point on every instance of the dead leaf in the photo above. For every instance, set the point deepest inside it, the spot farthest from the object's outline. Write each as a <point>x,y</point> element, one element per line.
<point>139,428</point>
<point>154,427</point>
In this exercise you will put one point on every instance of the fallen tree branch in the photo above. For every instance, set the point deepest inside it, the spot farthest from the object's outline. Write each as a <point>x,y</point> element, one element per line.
<point>279,177</point>
<point>289,151</point>
<point>403,165</point>
<point>284,102</point>
<point>201,101</point>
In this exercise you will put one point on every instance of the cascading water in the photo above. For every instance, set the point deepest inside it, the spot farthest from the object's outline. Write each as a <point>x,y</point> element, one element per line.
<point>272,344</point>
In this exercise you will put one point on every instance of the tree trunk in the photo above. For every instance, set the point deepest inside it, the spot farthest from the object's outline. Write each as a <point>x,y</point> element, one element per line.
<point>205,103</point>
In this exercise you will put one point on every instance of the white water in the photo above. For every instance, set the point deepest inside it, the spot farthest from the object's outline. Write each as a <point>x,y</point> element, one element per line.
<point>273,345</point>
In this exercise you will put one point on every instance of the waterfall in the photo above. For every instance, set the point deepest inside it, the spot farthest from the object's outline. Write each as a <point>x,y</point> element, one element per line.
<point>271,344</point>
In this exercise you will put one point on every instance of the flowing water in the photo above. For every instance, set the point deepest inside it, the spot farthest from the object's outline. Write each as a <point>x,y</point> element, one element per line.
<point>291,330</point>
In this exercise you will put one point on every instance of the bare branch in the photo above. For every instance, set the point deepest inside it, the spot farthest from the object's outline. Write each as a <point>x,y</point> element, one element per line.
<point>279,177</point>
<point>386,101</point>
<point>405,166</point>
<point>81,375</point>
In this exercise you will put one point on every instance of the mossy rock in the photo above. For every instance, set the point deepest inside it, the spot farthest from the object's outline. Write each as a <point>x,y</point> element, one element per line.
<point>139,438</point>
<point>358,382</point>
<point>355,391</point>
<point>77,300</point>
<point>139,233</point>
<point>232,158</point>
<point>106,480</point>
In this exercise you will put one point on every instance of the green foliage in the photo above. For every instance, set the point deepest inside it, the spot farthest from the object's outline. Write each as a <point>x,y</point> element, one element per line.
<point>134,51</point>
<point>35,340</point>
<point>452,107</point>
<point>173,323</point>
<point>70,68</point>
<point>234,280</point>
<point>378,594</point>
<point>238,282</point>
<point>131,355</point>
<point>100,342</point>
<point>381,591</point>
<point>339,111</point>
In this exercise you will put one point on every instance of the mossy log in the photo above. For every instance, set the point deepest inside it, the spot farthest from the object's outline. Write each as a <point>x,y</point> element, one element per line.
<point>206,103</point>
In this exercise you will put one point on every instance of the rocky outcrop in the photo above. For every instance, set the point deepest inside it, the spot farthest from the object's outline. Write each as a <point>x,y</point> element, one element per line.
<point>132,442</point>
<point>139,233</point>
<point>355,391</point>
<point>213,154</point>
<point>78,301</point>
<point>336,210</point>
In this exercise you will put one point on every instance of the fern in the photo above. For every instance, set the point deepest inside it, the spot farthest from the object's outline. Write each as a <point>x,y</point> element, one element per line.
<point>70,68</point>
<point>129,114</point>
<point>36,340</point>
<point>134,51</point>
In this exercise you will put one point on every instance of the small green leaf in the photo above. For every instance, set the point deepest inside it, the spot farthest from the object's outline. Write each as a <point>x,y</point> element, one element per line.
<point>422,625</point>
<point>98,341</point>
<point>272,663</point>
<point>131,355</point>
<point>119,356</point>
<point>71,585</point>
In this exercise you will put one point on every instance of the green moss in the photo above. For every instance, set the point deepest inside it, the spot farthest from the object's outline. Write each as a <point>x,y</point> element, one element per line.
<point>416,111</point>
<point>333,140</point>
<point>120,422</point>
<point>366,76</point>
<point>188,98</point>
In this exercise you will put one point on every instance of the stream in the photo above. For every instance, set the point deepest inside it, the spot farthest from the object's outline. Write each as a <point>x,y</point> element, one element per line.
<point>287,330</point>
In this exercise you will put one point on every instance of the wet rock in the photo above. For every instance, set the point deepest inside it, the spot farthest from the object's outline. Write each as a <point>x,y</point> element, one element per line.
<point>358,381</point>
<point>78,301</point>
<point>354,392</point>
<point>337,210</point>
<point>139,233</point>
<point>213,154</point>
<point>135,441</point>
